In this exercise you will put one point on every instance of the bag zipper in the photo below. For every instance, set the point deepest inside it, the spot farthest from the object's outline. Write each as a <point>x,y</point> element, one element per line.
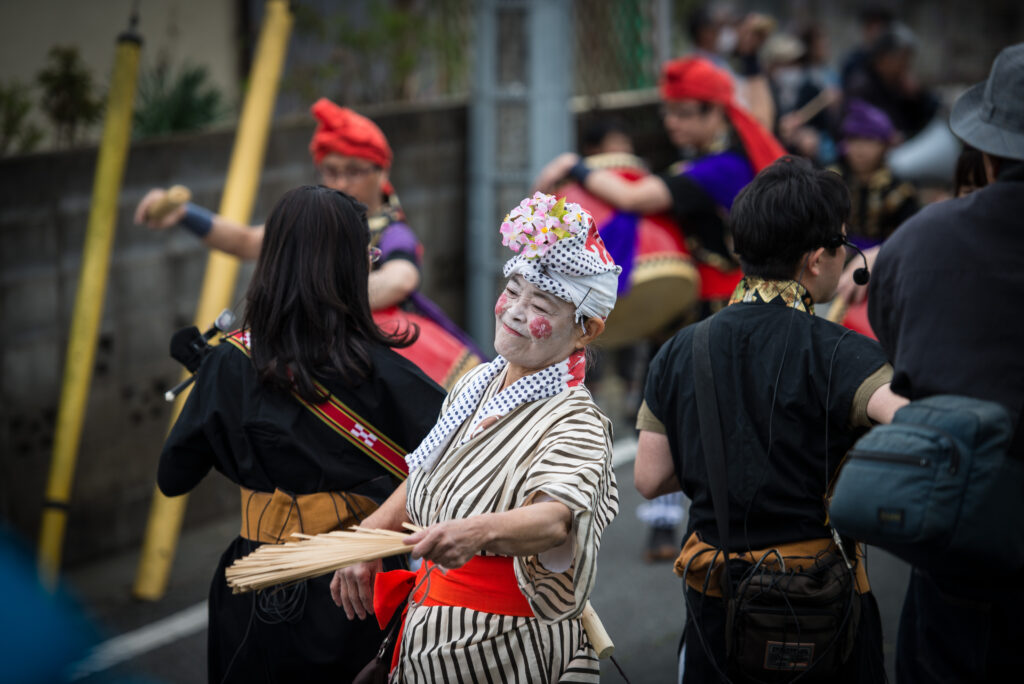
<point>954,464</point>
<point>890,457</point>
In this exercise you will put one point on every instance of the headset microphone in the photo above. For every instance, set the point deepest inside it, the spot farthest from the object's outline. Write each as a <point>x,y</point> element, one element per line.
<point>861,276</point>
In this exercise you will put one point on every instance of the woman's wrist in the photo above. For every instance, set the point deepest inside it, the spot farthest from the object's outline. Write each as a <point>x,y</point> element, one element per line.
<point>579,171</point>
<point>197,220</point>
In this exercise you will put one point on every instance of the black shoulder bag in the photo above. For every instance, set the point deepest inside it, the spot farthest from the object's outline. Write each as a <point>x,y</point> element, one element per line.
<point>782,624</point>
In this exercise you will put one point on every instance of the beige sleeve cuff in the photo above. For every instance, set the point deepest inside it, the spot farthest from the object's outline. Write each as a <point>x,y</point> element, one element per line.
<point>859,407</point>
<point>646,420</point>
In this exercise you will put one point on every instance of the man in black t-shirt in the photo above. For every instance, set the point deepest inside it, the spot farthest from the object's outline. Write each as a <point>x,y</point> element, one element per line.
<point>794,390</point>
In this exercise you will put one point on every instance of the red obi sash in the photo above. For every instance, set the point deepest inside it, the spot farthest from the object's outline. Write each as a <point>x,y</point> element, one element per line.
<point>486,584</point>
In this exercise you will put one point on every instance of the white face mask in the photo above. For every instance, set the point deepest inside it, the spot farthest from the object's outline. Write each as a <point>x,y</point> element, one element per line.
<point>532,328</point>
<point>727,39</point>
<point>788,76</point>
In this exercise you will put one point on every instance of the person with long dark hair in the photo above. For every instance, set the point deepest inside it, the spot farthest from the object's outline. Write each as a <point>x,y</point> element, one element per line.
<point>352,154</point>
<point>307,409</point>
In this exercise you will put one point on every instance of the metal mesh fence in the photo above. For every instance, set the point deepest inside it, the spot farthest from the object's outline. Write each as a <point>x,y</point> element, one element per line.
<point>374,51</point>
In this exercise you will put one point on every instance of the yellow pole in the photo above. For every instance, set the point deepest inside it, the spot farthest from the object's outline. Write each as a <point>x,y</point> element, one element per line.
<point>240,188</point>
<point>92,287</point>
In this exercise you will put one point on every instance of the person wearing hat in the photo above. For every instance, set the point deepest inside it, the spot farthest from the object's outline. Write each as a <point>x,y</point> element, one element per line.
<point>724,146</point>
<point>352,155</point>
<point>880,202</point>
<point>944,302</point>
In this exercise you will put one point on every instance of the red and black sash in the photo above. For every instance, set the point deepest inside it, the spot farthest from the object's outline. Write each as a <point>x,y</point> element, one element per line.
<point>343,420</point>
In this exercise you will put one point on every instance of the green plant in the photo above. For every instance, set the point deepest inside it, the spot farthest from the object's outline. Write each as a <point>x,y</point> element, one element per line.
<point>179,100</point>
<point>68,98</point>
<point>381,50</point>
<point>17,134</point>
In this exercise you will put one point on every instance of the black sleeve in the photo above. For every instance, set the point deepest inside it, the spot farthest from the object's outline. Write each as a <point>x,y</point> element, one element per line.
<point>189,451</point>
<point>696,213</point>
<point>883,311</point>
<point>846,360</point>
<point>661,387</point>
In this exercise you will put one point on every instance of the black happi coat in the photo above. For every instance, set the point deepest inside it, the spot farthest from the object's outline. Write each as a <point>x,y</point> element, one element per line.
<point>780,376</point>
<point>264,439</point>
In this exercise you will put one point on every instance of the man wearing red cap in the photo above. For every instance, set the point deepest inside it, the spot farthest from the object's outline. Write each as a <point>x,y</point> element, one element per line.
<point>352,155</point>
<point>724,147</point>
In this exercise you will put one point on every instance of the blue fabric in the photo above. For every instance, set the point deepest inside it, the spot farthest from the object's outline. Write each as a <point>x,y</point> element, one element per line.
<point>197,220</point>
<point>722,176</point>
<point>936,486</point>
<point>41,634</point>
<point>620,238</point>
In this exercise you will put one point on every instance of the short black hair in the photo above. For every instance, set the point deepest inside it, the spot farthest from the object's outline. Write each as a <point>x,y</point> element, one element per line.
<point>876,14</point>
<point>596,129</point>
<point>700,18</point>
<point>790,208</point>
<point>970,170</point>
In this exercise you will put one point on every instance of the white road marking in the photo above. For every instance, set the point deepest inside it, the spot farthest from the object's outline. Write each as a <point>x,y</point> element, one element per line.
<point>152,636</point>
<point>623,452</point>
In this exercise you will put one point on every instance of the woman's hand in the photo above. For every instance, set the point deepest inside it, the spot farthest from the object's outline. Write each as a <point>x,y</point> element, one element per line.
<point>555,172</point>
<point>152,198</point>
<point>352,589</point>
<point>450,544</point>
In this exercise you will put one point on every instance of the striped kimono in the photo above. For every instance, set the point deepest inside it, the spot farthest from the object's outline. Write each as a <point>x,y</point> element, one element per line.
<point>551,449</point>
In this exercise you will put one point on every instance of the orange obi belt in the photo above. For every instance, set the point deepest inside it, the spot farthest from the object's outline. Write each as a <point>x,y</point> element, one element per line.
<point>797,555</point>
<point>486,584</point>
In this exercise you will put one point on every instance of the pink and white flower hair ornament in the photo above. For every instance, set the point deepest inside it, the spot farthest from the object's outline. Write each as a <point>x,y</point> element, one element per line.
<point>560,251</point>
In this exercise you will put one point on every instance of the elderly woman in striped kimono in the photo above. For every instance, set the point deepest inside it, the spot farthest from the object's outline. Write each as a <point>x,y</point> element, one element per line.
<point>514,484</point>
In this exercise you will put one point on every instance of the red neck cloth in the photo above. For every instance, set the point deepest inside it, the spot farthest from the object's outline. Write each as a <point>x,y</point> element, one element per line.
<point>342,131</point>
<point>695,78</point>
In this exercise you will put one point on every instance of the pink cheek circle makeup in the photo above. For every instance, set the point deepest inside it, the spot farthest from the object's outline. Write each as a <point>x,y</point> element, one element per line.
<point>502,304</point>
<point>540,328</point>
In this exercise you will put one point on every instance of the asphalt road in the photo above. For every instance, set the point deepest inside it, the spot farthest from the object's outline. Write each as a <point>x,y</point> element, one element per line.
<point>640,605</point>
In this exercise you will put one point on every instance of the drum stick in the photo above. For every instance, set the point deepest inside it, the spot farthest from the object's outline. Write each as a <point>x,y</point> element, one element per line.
<point>810,110</point>
<point>596,632</point>
<point>837,311</point>
<point>175,196</point>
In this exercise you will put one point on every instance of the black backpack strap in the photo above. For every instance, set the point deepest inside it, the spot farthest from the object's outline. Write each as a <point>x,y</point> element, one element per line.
<point>711,438</point>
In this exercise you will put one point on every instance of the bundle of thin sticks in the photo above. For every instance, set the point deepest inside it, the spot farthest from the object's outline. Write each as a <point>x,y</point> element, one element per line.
<point>319,554</point>
<point>314,555</point>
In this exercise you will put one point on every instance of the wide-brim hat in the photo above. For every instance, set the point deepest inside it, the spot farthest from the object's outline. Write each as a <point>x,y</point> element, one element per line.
<point>990,115</point>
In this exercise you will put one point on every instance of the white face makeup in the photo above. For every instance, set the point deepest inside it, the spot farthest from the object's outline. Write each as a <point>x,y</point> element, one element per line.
<point>532,328</point>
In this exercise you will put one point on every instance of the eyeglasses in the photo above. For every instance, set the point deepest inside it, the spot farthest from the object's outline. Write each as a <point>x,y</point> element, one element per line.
<point>681,111</point>
<point>375,253</point>
<point>349,173</point>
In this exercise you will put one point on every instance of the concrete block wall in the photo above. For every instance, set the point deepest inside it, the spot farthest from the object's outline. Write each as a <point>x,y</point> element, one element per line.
<point>152,291</point>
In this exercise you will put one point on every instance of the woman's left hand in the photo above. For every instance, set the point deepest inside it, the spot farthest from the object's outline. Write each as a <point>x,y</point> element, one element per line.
<point>450,544</point>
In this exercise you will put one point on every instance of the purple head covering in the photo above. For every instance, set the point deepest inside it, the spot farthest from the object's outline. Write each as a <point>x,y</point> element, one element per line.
<point>865,121</point>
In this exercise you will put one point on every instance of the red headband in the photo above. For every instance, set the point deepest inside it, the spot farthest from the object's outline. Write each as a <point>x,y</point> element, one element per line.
<point>695,78</point>
<point>342,131</point>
